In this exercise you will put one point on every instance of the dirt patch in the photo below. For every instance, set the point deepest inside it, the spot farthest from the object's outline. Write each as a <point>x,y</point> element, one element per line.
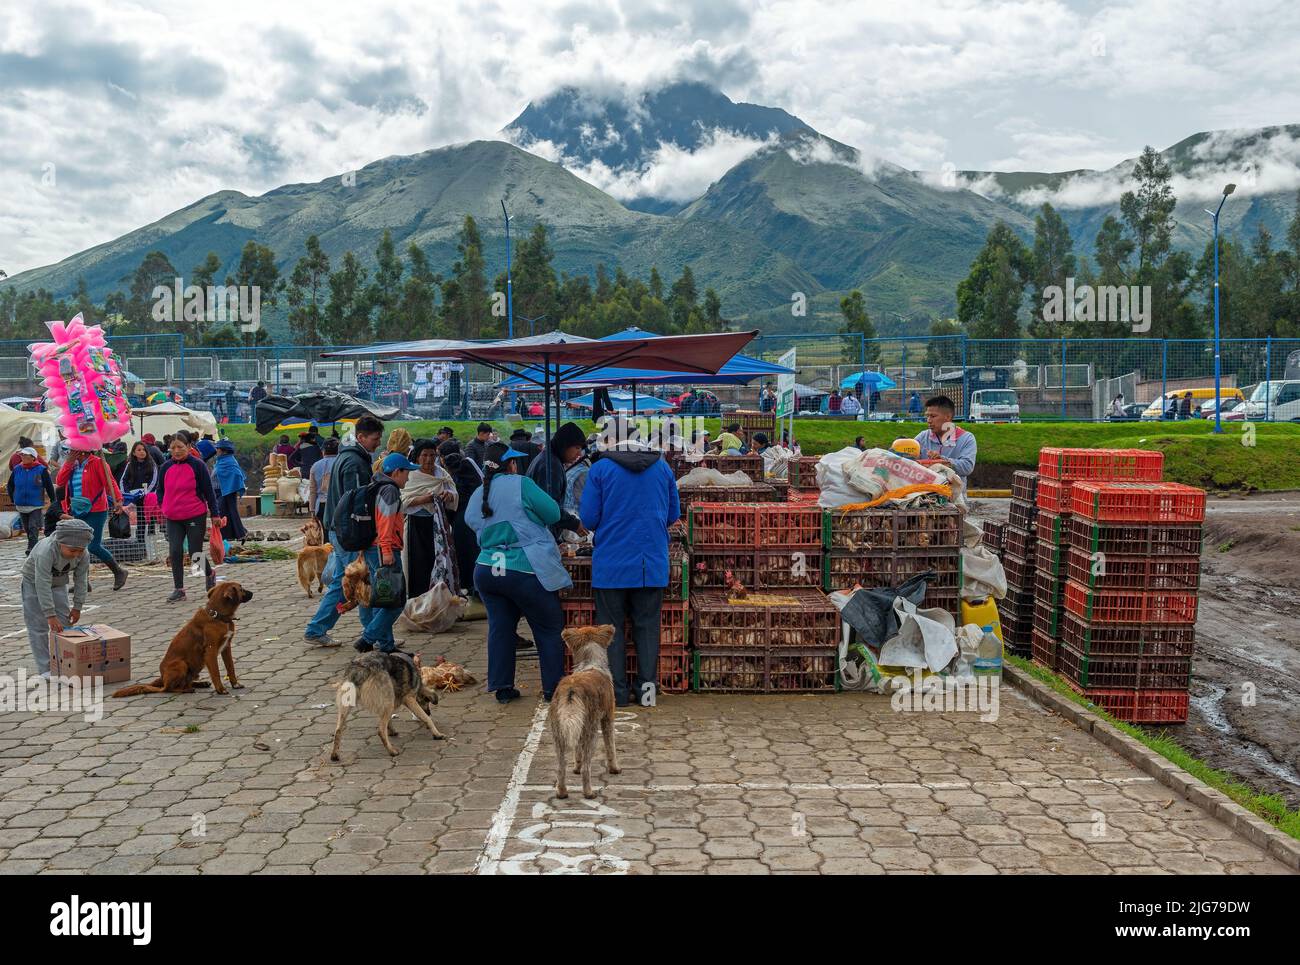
<point>1245,715</point>
<point>993,476</point>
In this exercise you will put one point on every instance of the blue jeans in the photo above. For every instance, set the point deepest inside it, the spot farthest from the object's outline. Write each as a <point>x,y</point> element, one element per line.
<point>96,522</point>
<point>327,613</point>
<point>506,598</point>
<point>379,630</point>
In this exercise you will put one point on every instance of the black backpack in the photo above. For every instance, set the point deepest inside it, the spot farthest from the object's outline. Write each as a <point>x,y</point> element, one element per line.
<point>354,518</point>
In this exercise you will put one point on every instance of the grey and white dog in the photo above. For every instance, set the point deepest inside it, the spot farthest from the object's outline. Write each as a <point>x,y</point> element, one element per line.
<point>380,683</point>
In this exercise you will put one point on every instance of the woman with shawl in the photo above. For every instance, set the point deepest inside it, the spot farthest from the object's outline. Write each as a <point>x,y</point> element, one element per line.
<point>430,546</point>
<point>230,484</point>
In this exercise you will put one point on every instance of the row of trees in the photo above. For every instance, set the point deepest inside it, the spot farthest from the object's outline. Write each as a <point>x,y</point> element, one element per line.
<point>343,301</point>
<point>1006,292</point>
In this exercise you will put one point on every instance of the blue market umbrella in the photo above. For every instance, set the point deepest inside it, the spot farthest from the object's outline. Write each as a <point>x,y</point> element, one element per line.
<point>622,402</point>
<point>877,381</point>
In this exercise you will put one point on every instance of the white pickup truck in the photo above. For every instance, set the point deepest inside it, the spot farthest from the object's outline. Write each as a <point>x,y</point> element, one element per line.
<point>994,405</point>
<point>1277,401</point>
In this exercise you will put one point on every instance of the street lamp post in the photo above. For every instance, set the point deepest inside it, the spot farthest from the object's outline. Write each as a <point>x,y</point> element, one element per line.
<point>510,301</point>
<point>531,321</point>
<point>1227,190</point>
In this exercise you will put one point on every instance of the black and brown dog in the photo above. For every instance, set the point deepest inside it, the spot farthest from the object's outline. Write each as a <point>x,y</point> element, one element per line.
<point>209,632</point>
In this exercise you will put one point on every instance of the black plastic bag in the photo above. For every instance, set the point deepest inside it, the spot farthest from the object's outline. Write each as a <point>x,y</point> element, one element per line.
<point>119,526</point>
<point>871,612</point>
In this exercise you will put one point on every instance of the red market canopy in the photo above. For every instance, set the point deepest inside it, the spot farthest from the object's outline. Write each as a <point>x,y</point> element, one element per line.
<point>567,358</point>
<point>704,354</point>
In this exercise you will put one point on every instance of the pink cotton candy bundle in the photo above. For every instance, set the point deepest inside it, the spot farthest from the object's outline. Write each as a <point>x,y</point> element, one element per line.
<point>83,382</point>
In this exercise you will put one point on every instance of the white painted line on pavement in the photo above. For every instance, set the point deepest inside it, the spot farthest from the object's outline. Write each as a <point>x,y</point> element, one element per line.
<point>847,786</point>
<point>489,859</point>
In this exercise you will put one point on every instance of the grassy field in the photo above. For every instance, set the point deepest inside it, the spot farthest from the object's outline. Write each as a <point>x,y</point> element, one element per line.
<point>1193,453</point>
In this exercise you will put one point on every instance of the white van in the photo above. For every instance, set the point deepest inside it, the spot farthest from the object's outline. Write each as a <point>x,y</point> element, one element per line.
<point>1277,401</point>
<point>994,405</point>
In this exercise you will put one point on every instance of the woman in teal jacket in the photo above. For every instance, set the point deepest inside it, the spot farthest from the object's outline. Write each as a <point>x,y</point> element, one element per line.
<point>518,572</point>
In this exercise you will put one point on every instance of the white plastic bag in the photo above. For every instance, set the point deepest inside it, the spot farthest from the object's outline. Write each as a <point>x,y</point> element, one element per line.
<point>925,638</point>
<point>879,471</point>
<point>9,524</point>
<point>434,611</point>
<point>835,490</point>
<point>982,574</point>
<point>776,462</point>
<point>852,476</point>
<point>700,476</point>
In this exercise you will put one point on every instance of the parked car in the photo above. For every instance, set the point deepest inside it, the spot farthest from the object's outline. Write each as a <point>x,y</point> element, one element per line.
<point>994,405</point>
<point>1206,409</point>
<point>1275,401</point>
<point>1158,407</point>
<point>1132,412</point>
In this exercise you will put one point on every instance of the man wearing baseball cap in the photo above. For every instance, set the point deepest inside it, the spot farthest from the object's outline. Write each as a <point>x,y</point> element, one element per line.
<point>29,484</point>
<point>388,482</point>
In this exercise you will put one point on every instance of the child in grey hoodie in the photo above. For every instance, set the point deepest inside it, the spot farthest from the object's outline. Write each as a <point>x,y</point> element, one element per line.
<point>45,585</point>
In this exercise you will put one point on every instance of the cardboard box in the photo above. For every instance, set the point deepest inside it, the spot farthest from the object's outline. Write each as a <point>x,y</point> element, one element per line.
<point>249,506</point>
<point>96,650</point>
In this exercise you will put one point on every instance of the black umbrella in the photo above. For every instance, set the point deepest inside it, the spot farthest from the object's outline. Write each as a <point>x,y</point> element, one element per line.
<point>319,407</point>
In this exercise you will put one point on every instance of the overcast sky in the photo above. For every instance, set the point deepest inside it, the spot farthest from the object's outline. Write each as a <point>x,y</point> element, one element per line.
<point>115,114</point>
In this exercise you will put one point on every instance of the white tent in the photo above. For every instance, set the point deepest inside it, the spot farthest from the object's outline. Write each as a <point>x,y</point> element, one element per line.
<point>37,426</point>
<point>166,418</point>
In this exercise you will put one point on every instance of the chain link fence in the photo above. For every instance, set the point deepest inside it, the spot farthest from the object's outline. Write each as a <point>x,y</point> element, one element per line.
<point>1063,379</point>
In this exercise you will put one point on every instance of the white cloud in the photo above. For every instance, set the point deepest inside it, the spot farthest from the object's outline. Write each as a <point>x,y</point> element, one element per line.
<point>672,173</point>
<point>147,106</point>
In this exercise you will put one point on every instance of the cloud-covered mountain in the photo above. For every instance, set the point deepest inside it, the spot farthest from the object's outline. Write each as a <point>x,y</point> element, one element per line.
<point>1264,164</point>
<point>653,150</point>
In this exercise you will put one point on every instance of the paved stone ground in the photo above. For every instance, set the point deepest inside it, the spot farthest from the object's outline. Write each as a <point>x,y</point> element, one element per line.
<point>242,784</point>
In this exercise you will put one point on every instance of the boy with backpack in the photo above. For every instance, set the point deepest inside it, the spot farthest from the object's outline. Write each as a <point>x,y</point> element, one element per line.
<point>387,585</point>
<point>351,471</point>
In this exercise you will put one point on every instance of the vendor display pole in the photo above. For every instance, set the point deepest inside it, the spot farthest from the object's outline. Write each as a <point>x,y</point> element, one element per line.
<point>546,412</point>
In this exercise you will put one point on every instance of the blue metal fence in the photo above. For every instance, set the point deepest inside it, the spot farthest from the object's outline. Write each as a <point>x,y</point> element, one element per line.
<point>1074,379</point>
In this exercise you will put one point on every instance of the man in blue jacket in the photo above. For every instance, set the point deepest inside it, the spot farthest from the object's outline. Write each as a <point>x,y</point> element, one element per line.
<point>29,484</point>
<point>629,502</point>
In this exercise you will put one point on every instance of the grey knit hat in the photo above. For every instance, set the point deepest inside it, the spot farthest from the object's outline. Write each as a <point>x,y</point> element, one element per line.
<point>73,532</point>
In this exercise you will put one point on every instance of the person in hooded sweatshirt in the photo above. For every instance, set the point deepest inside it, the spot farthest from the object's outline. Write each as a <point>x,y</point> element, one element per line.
<point>44,593</point>
<point>29,484</point>
<point>568,444</point>
<point>230,483</point>
<point>628,502</point>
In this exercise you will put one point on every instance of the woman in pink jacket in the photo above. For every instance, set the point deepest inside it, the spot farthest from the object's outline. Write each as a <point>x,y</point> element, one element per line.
<point>186,497</point>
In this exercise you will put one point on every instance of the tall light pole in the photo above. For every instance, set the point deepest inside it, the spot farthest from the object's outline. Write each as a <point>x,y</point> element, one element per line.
<point>1227,190</point>
<point>510,295</point>
<point>531,321</point>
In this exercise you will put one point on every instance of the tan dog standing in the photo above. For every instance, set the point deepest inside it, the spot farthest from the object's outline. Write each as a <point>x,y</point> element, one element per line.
<point>313,557</point>
<point>583,703</point>
<point>208,633</point>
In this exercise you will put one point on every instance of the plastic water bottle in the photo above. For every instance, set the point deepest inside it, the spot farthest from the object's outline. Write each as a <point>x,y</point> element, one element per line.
<point>988,659</point>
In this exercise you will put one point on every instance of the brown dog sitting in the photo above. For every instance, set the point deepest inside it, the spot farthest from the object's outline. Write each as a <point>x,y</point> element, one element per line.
<point>208,633</point>
<point>313,557</point>
<point>582,703</point>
